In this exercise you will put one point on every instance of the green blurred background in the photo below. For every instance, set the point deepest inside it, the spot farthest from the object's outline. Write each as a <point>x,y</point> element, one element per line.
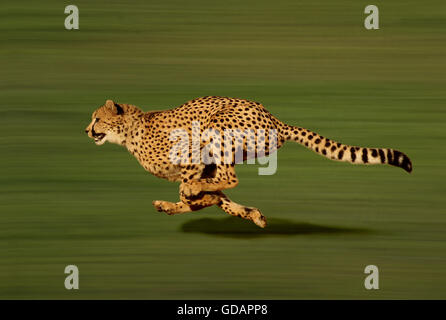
<point>64,200</point>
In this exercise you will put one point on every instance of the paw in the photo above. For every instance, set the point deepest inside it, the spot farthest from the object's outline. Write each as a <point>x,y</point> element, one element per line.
<point>191,188</point>
<point>163,206</point>
<point>257,217</point>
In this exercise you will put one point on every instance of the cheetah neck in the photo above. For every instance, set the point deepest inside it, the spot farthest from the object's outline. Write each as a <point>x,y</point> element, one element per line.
<point>132,126</point>
<point>136,133</point>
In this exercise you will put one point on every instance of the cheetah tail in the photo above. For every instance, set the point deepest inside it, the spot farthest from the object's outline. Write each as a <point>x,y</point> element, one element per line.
<point>340,152</point>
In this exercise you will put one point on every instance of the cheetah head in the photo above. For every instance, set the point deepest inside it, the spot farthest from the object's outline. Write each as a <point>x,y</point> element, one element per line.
<point>108,122</point>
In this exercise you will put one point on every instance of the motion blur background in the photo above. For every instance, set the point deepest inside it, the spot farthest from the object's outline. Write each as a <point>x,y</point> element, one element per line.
<point>63,200</point>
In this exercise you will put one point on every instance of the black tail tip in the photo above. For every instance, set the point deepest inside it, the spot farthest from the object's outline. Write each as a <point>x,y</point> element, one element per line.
<point>408,167</point>
<point>402,161</point>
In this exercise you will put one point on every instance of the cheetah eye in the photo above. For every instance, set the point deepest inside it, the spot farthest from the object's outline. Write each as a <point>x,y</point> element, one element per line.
<point>97,120</point>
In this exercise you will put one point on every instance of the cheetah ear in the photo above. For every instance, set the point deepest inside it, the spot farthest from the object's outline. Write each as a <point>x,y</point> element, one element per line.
<point>109,104</point>
<point>114,107</point>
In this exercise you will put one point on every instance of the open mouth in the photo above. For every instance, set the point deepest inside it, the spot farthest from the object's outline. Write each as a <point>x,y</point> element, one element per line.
<point>99,138</point>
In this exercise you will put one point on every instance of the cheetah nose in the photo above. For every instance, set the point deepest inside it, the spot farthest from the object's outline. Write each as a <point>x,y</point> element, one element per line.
<point>86,131</point>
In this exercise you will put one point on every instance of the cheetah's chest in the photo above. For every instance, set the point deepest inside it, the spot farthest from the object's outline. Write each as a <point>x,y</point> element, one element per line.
<point>152,152</point>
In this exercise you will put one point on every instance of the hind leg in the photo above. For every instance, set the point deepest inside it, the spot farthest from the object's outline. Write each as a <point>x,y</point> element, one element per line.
<point>238,210</point>
<point>207,199</point>
<point>221,200</point>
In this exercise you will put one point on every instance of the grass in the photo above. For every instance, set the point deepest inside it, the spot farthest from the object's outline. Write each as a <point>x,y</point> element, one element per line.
<point>64,200</point>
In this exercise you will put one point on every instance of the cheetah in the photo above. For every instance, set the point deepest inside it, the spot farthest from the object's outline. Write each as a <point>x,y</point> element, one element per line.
<point>147,135</point>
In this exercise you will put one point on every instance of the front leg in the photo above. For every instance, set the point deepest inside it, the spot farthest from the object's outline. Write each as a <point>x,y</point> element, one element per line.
<point>191,188</point>
<point>210,178</point>
<point>172,208</point>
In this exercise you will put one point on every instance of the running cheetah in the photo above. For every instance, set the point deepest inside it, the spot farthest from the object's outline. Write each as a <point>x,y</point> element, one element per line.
<point>147,135</point>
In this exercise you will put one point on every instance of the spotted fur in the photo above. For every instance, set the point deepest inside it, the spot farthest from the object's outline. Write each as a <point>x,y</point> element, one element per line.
<point>340,152</point>
<point>146,136</point>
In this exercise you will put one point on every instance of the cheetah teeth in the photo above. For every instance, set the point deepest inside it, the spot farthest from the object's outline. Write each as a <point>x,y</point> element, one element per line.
<point>99,138</point>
